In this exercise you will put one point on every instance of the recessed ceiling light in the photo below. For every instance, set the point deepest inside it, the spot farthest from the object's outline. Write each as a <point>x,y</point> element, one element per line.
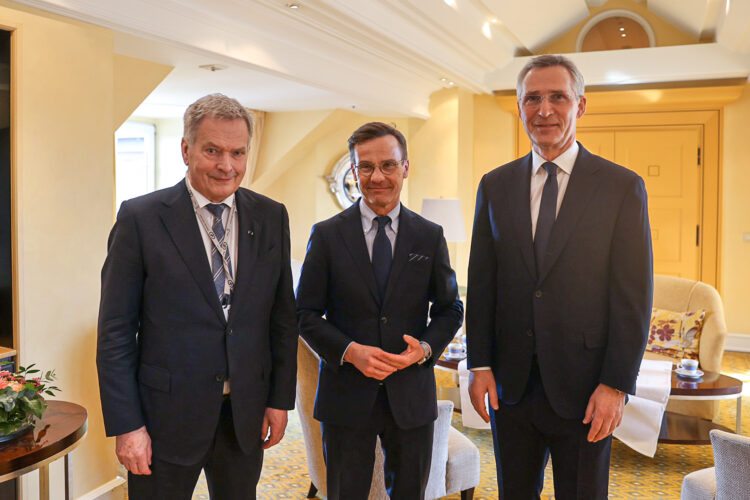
<point>487,30</point>
<point>293,5</point>
<point>494,20</point>
<point>444,80</point>
<point>451,84</point>
<point>623,35</point>
<point>450,3</point>
<point>213,67</point>
<point>622,29</point>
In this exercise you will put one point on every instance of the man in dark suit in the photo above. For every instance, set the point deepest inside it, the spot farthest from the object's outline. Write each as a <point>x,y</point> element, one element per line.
<point>559,295</point>
<point>375,271</point>
<point>197,337</point>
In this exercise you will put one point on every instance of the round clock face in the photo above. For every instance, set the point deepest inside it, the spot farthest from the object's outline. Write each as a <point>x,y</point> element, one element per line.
<point>342,183</point>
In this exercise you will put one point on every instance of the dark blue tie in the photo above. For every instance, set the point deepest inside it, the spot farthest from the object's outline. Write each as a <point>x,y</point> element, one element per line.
<point>547,213</point>
<point>217,265</point>
<point>382,255</point>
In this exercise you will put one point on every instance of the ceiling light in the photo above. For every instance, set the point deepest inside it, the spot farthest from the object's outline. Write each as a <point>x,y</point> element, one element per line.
<point>451,84</point>
<point>293,5</point>
<point>623,35</point>
<point>444,80</point>
<point>487,30</point>
<point>622,29</point>
<point>451,3</point>
<point>494,20</point>
<point>213,67</point>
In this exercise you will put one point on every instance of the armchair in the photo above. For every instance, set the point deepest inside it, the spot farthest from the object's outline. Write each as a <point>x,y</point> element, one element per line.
<point>682,295</point>
<point>728,479</point>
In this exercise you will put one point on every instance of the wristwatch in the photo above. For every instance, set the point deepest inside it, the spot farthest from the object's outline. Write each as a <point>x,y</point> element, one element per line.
<point>427,352</point>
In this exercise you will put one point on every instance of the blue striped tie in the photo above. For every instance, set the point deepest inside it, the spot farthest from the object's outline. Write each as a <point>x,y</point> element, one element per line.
<point>547,214</point>
<point>217,266</point>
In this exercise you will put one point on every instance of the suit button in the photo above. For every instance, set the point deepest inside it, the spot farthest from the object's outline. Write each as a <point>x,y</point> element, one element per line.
<point>530,333</point>
<point>220,378</point>
<point>538,294</point>
<point>230,331</point>
<point>384,320</point>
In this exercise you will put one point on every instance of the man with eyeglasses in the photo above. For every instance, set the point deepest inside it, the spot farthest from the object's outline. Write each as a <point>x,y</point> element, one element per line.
<point>370,277</point>
<point>559,295</point>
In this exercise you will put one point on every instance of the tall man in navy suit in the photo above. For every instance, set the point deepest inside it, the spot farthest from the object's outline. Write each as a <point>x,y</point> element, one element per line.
<point>559,295</point>
<point>197,335</point>
<point>371,277</point>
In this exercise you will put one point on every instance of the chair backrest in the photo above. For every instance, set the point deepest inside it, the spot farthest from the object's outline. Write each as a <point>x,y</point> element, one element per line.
<point>732,461</point>
<point>307,385</point>
<point>683,295</point>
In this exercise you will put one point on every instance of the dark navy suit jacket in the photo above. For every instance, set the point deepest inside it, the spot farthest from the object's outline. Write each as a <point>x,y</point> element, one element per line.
<point>585,313</point>
<point>157,283</point>
<point>338,282</point>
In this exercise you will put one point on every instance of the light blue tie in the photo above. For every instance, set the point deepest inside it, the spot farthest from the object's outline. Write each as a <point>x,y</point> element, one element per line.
<point>217,265</point>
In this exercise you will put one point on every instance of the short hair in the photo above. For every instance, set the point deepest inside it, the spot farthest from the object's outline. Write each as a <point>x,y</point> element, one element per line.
<point>213,106</point>
<point>547,61</point>
<point>373,130</point>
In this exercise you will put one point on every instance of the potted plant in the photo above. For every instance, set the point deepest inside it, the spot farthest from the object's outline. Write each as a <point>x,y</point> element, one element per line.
<point>21,399</point>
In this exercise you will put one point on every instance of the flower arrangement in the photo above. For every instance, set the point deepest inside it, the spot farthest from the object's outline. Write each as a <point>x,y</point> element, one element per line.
<point>21,397</point>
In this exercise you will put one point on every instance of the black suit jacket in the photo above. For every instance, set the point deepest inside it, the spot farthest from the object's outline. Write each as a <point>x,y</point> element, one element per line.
<point>338,281</point>
<point>586,312</point>
<point>157,283</point>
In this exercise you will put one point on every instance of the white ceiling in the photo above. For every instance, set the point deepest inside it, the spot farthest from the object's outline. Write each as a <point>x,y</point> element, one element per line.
<point>387,56</point>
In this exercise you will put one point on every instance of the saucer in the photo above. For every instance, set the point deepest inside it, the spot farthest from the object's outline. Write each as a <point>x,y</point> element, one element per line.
<point>454,357</point>
<point>689,373</point>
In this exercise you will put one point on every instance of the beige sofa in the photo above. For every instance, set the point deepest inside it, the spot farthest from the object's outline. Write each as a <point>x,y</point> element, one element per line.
<point>683,295</point>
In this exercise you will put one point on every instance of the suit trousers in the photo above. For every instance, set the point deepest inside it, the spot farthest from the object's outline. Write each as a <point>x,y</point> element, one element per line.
<point>230,473</point>
<point>530,431</point>
<point>350,456</point>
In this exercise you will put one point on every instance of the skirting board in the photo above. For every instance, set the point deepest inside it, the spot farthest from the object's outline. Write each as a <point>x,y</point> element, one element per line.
<point>739,342</point>
<point>101,490</point>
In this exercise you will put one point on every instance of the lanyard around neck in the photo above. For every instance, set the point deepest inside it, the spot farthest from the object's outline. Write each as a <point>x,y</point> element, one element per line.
<point>221,246</point>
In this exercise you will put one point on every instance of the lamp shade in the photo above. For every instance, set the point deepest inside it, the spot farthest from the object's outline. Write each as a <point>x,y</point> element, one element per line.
<point>447,213</point>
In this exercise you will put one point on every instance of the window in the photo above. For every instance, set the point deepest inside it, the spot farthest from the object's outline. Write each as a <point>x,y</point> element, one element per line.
<point>135,171</point>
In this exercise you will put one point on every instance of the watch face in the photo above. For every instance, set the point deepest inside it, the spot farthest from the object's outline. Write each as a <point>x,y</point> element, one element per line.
<point>342,184</point>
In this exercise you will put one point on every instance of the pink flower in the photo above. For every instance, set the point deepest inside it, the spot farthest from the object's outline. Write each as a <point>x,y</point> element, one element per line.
<point>16,386</point>
<point>3,383</point>
<point>4,373</point>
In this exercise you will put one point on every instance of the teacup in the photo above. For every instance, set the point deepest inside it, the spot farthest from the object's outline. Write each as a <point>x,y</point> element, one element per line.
<point>456,350</point>
<point>688,365</point>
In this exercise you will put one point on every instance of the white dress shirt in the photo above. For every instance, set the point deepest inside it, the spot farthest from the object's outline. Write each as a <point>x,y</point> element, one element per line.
<point>564,162</point>
<point>370,226</point>
<point>230,235</point>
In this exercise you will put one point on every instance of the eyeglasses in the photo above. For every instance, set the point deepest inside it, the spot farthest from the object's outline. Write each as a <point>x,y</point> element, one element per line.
<point>555,99</point>
<point>388,167</point>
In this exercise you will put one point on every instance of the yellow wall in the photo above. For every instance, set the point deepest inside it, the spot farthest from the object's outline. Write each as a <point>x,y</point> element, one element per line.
<point>63,176</point>
<point>735,255</point>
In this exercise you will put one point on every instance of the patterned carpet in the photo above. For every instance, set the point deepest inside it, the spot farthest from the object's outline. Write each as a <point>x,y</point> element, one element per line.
<point>632,475</point>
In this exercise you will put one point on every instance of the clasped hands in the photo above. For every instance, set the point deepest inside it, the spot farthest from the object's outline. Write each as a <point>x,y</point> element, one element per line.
<point>376,363</point>
<point>604,410</point>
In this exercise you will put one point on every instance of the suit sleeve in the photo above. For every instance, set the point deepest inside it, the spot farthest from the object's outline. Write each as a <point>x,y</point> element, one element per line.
<point>312,295</point>
<point>446,311</point>
<point>283,331</point>
<point>119,313</point>
<point>481,297</point>
<point>630,291</point>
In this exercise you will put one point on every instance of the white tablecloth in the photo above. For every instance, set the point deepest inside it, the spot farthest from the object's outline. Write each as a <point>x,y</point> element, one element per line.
<point>643,414</point>
<point>469,416</point>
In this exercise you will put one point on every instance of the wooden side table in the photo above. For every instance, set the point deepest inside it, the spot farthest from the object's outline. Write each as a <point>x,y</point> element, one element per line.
<point>58,433</point>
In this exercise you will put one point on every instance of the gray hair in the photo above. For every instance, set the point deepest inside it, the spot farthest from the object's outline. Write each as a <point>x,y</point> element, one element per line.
<point>213,106</point>
<point>547,61</point>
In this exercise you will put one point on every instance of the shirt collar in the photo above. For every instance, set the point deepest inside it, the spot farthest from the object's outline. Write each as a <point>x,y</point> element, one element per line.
<point>368,216</point>
<point>202,200</point>
<point>564,161</point>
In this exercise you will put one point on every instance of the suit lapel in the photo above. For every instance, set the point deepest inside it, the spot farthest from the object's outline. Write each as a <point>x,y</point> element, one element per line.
<point>354,241</point>
<point>249,227</point>
<point>580,190</point>
<point>520,203</point>
<point>405,239</point>
<point>178,217</point>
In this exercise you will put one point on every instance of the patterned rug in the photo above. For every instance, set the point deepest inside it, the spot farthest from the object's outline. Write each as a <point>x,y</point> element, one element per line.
<point>632,476</point>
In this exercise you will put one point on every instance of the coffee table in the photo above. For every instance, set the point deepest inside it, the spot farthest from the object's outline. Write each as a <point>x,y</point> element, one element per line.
<point>683,429</point>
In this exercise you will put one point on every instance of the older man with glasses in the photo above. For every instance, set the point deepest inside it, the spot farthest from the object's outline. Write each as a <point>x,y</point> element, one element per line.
<point>370,277</point>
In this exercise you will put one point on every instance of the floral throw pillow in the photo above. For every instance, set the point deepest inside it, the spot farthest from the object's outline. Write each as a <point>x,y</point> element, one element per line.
<point>675,334</point>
